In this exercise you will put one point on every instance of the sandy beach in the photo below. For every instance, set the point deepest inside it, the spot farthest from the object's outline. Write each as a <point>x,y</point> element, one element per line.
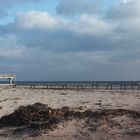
<point>124,126</point>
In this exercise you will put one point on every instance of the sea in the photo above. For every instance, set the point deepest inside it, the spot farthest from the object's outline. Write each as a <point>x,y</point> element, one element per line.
<point>69,82</point>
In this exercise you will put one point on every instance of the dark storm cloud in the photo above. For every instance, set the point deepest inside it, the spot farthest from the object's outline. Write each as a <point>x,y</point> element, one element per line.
<point>63,41</point>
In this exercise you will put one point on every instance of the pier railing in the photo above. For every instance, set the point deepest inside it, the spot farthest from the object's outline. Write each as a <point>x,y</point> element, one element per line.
<point>94,85</point>
<point>6,76</point>
<point>10,77</point>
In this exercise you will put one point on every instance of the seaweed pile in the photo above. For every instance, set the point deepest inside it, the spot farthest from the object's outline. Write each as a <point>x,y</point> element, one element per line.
<point>41,116</point>
<point>27,115</point>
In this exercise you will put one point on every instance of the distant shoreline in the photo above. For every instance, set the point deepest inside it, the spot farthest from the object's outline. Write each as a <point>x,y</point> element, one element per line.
<point>105,85</point>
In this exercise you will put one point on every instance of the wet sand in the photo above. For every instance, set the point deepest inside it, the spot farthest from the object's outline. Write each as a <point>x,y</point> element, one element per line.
<point>120,127</point>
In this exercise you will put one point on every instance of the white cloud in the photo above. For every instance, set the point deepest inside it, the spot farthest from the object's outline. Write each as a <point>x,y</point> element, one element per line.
<point>125,1</point>
<point>94,25</point>
<point>35,19</point>
<point>84,24</point>
<point>126,15</point>
<point>125,10</point>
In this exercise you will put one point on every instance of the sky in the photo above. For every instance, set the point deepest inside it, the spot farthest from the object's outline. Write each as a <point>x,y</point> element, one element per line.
<point>63,40</point>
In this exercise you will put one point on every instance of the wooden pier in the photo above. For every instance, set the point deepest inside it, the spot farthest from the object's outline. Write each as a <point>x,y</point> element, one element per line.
<point>94,86</point>
<point>10,77</point>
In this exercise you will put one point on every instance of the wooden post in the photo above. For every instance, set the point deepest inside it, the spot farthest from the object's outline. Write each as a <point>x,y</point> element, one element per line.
<point>106,86</point>
<point>97,87</point>
<point>8,76</point>
<point>10,80</point>
<point>132,86</point>
<point>49,86</point>
<point>46,86</point>
<point>64,86</point>
<point>124,86</point>
<point>77,86</point>
<point>32,86</point>
<point>138,86</point>
<point>81,86</point>
<point>121,86</point>
<point>111,86</point>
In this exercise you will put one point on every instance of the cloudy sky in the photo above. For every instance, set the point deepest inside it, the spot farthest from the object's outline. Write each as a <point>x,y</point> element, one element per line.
<point>70,39</point>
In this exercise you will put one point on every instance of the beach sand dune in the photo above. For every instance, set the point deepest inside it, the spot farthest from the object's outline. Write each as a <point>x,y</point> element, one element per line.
<point>119,119</point>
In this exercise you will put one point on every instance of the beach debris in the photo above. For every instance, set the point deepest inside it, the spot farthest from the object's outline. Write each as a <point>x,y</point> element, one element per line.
<point>41,116</point>
<point>4,100</point>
